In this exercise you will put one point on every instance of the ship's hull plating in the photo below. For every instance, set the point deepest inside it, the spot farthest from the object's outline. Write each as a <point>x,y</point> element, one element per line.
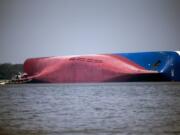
<point>148,66</point>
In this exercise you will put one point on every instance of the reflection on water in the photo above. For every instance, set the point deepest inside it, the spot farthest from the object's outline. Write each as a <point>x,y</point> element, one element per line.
<point>109,108</point>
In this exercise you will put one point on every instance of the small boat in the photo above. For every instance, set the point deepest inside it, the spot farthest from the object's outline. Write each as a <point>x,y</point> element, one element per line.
<point>117,67</point>
<point>20,78</point>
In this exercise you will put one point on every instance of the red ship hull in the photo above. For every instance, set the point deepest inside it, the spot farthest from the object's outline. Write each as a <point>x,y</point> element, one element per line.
<point>89,68</point>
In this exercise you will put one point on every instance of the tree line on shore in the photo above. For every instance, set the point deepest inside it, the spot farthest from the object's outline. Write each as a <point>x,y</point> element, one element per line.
<point>8,70</point>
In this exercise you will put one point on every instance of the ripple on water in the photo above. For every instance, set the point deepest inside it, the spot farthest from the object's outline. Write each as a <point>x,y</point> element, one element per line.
<point>104,108</point>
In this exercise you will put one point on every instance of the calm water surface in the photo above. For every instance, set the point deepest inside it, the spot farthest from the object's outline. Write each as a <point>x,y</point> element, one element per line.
<point>78,109</point>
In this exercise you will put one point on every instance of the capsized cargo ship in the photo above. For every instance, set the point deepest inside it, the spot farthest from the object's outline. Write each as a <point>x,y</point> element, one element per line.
<point>117,67</point>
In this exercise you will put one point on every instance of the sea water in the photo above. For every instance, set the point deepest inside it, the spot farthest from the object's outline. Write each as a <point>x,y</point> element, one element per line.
<point>92,108</point>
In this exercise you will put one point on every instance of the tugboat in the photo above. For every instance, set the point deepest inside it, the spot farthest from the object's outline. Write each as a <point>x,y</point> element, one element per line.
<point>20,78</point>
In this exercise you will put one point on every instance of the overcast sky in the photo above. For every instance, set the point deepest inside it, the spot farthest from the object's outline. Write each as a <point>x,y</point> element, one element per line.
<point>36,28</point>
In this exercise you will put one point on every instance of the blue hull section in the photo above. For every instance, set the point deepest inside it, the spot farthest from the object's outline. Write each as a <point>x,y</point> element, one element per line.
<point>167,63</point>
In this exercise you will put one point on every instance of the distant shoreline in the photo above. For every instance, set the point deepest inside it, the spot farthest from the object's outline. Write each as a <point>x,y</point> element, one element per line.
<point>8,70</point>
